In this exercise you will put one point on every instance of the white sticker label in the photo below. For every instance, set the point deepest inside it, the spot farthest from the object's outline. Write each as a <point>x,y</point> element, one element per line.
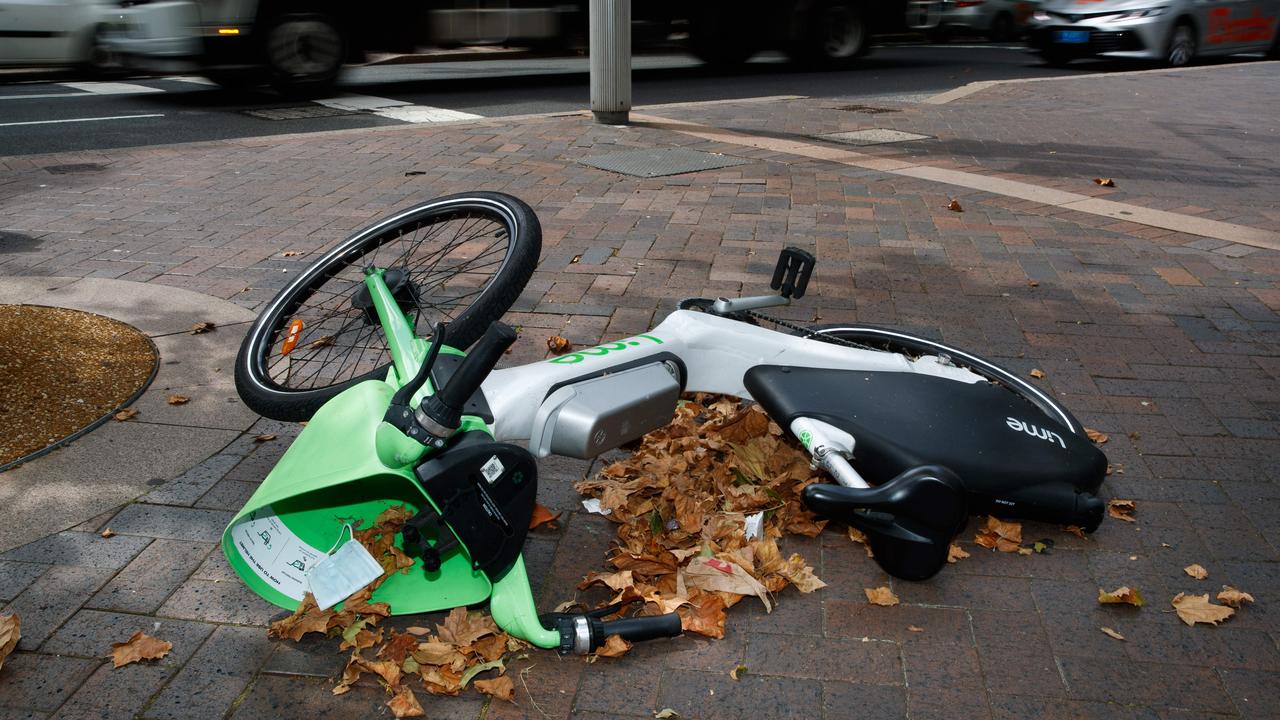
<point>492,470</point>
<point>274,552</point>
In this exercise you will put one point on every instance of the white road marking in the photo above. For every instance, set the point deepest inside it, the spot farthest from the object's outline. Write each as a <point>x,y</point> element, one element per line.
<point>41,95</point>
<point>111,88</point>
<point>71,120</point>
<point>360,102</point>
<point>424,114</point>
<point>396,109</point>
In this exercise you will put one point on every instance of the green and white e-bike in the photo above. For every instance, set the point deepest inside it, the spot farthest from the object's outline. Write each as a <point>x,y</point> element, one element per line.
<point>368,346</point>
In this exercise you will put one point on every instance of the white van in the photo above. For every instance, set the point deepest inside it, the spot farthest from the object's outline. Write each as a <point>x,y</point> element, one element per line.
<point>1169,31</point>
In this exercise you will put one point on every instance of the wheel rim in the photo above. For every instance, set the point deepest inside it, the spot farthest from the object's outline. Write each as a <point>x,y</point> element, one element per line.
<point>305,48</point>
<point>1182,47</point>
<point>844,33</point>
<point>451,259</point>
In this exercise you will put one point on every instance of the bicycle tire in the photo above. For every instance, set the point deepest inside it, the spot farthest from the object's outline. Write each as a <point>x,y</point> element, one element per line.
<point>897,341</point>
<point>261,384</point>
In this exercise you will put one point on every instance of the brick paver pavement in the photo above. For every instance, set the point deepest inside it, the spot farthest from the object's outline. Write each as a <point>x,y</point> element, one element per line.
<point>1163,340</point>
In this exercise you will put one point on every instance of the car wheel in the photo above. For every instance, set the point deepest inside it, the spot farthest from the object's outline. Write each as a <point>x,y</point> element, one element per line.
<point>722,36</point>
<point>304,54</point>
<point>100,60</point>
<point>1274,52</point>
<point>1002,28</point>
<point>834,35</point>
<point>1057,59</point>
<point>1182,45</point>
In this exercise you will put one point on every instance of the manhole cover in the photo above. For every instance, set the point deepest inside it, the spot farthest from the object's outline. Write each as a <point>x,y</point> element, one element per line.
<point>867,109</point>
<point>657,163</point>
<point>74,168</point>
<point>873,136</point>
<point>301,112</point>
<point>63,373</point>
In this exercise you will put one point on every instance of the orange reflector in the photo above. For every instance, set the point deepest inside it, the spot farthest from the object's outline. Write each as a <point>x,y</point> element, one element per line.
<point>228,31</point>
<point>291,338</point>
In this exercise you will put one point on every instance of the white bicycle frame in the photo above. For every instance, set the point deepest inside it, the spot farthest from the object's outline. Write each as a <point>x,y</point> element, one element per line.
<point>716,353</point>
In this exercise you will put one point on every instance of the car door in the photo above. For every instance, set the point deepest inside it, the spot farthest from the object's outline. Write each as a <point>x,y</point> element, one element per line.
<point>36,31</point>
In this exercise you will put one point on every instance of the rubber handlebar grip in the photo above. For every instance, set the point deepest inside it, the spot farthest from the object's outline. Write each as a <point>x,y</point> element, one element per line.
<point>644,628</point>
<point>476,366</point>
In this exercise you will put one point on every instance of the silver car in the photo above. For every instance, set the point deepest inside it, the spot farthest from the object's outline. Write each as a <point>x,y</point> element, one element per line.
<point>999,20</point>
<point>1173,32</point>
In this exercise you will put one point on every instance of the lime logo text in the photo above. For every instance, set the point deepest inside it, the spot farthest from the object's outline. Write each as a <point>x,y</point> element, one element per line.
<point>577,357</point>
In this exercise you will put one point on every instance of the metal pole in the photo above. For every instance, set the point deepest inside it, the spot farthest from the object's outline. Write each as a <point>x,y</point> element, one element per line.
<point>610,48</point>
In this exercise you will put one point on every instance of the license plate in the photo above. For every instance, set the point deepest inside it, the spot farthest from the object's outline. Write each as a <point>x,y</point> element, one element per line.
<point>1073,37</point>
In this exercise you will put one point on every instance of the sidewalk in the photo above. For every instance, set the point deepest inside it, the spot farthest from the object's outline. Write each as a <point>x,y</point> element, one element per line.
<point>1165,338</point>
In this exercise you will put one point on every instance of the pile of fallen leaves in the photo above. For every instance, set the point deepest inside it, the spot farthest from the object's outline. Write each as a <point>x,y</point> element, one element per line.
<point>700,507</point>
<point>446,660</point>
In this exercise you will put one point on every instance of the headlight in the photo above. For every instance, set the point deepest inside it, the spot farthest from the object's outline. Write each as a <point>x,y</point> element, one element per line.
<point>1143,13</point>
<point>1040,16</point>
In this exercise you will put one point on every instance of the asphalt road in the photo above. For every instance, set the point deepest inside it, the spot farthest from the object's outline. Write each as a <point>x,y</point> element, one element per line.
<point>39,116</point>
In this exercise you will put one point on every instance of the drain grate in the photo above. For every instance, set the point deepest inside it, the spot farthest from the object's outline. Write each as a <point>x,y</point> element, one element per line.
<point>867,109</point>
<point>658,163</point>
<point>872,136</point>
<point>300,112</point>
<point>74,168</point>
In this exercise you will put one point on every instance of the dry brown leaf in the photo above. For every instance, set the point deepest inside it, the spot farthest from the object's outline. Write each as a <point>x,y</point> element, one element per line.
<point>1233,597</point>
<point>460,628</point>
<point>541,516</point>
<point>737,672</point>
<point>954,206</point>
<point>704,615</point>
<point>264,437</point>
<point>404,704</point>
<point>1037,373</point>
<point>558,345</point>
<point>1104,182</point>
<point>1122,509</point>
<point>881,596</point>
<point>107,532</point>
<point>801,575</point>
<point>915,629</point>
<point>10,634</point>
<point>1097,437</point>
<point>1033,283</point>
<point>1005,536</point>
<point>956,553</point>
<point>614,646</point>
<point>1196,571</point>
<point>417,630</point>
<point>307,618</point>
<point>201,328</point>
<point>1194,609</point>
<point>1111,633</point>
<point>177,399</point>
<point>291,253</point>
<point>1075,530</point>
<point>1121,596</point>
<point>138,647</point>
<point>322,341</point>
<point>436,653</point>
<point>500,687</point>
<point>126,414</point>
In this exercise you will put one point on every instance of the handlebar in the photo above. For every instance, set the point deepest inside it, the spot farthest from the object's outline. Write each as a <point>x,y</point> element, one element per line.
<point>586,632</point>
<point>441,413</point>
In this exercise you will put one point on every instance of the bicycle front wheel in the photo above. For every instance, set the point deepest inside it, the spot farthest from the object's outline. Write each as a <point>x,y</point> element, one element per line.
<point>461,259</point>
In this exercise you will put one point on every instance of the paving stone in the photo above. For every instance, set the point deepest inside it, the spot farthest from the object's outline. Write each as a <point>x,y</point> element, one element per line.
<point>194,694</point>
<point>187,488</point>
<point>38,682</point>
<point>876,662</point>
<point>51,599</point>
<point>871,702</point>
<point>90,633</point>
<point>947,703</point>
<point>715,695</point>
<point>859,620</point>
<point>221,602</point>
<point>175,523</point>
<point>627,686</point>
<point>227,495</point>
<point>1155,684</point>
<point>144,584</point>
<point>116,692</point>
<point>78,548</point>
<point>16,576</point>
<point>233,650</point>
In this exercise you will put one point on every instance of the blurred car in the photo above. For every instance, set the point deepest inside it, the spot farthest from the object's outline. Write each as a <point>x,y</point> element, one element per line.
<point>998,20</point>
<point>1173,32</point>
<point>55,32</point>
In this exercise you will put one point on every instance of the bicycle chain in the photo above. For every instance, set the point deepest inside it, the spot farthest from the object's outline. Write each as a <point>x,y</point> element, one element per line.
<point>806,332</point>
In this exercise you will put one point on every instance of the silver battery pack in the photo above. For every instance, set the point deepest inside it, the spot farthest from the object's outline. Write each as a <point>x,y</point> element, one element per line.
<point>589,417</point>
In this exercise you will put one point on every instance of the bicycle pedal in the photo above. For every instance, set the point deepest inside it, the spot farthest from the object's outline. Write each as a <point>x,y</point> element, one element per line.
<point>791,274</point>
